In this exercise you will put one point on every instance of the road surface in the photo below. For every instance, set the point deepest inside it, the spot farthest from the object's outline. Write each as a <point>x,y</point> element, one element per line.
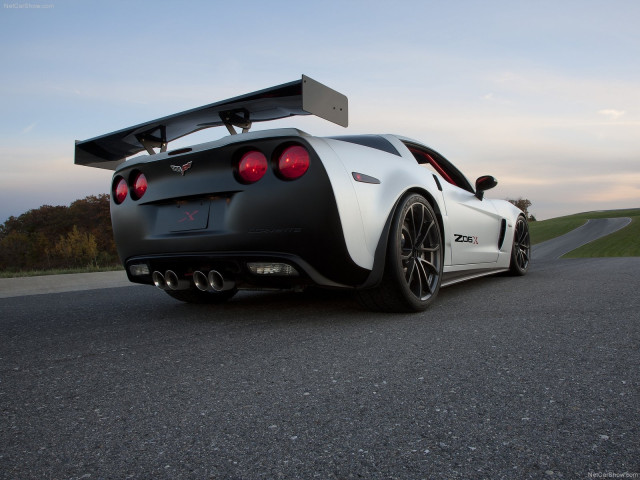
<point>529,377</point>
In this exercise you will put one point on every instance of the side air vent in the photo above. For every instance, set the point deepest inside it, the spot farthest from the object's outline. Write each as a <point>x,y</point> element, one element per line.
<point>503,231</point>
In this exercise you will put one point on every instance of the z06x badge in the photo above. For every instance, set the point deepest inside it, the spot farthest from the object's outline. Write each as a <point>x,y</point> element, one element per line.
<point>466,239</point>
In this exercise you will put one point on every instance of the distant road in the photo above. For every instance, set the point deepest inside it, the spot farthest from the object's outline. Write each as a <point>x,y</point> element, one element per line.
<point>590,231</point>
<point>15,287</point>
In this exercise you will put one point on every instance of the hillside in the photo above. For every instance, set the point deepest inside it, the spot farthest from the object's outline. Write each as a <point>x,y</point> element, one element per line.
<point>623,243</point>
<point>59,237</point>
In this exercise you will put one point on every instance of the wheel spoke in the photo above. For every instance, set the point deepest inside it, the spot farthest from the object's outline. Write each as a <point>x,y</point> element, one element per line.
<point>411,267</point>
<point>417,291</point>
<point>412,231</point>
<point>426,276</point>
<point>418,233</point>
<point>430,266</point>
<point>429,249</point>
<point>422,239</point>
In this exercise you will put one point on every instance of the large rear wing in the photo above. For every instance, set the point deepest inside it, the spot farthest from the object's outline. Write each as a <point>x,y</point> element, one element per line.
<point>301,97</point>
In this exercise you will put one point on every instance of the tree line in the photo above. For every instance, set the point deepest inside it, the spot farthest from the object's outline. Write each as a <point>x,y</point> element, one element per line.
<point>59,237</point>
<point>77,236</point>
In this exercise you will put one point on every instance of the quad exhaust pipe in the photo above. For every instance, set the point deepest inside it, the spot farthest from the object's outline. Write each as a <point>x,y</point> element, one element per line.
<point>213,280</point>
<point>159,281</point>
<point>169,281</point>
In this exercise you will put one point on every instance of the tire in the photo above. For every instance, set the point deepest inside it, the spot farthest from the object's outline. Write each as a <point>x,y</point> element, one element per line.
<point>521,249</point>
<point>194,295</point>
<point>414,260</point>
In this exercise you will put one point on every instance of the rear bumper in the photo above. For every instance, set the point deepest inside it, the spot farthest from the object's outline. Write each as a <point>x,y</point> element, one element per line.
<point>235,266</point>
<point>208,219</point>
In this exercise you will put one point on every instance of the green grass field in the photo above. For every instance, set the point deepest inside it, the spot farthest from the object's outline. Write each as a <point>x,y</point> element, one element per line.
<point>623,243</point>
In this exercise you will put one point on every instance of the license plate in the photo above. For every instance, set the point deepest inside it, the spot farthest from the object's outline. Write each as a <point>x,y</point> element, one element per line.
<point>184,216</point>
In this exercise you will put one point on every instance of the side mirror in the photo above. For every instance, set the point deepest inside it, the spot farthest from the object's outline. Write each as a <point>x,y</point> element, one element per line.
<point>486,182</point>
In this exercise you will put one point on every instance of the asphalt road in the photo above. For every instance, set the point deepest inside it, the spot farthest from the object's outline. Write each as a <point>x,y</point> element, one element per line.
<point>532,377</point>
<point>502,378</point>
<point>590,231</point>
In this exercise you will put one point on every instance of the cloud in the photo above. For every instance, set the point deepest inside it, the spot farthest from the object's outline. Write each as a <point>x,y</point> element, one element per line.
<point>28,128</point>
<point>611,113</point>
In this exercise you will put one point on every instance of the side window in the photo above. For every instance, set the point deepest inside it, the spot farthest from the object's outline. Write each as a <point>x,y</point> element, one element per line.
<point>434,161</point>
<point>427,161</point>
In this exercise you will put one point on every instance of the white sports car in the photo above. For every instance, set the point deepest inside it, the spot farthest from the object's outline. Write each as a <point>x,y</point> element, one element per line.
<point>383,215</point>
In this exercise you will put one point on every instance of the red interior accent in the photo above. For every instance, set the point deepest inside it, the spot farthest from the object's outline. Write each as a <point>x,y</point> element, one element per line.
<point>431,161</point>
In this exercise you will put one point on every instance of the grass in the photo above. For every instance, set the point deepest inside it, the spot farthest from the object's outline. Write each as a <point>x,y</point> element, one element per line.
<point>623,243</point>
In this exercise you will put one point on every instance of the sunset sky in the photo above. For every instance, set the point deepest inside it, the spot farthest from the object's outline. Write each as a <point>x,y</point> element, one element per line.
<point>544,95</point>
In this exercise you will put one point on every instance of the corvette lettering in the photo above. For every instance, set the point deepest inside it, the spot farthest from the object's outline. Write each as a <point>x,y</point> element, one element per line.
<point>466,239</point>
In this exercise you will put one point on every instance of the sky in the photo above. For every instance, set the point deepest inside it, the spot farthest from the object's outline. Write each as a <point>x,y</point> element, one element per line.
<point>544,95</point>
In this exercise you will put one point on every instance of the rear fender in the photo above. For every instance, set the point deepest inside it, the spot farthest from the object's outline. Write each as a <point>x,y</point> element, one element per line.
<point>381,250</point>
<point>365,207</point>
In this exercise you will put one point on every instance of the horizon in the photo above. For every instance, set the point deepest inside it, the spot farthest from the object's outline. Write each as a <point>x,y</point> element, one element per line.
<point>547,103</point>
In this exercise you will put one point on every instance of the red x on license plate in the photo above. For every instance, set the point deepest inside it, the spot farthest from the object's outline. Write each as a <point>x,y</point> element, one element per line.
<point>184,216</point>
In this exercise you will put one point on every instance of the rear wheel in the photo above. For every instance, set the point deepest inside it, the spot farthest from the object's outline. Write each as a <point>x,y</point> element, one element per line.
<point>414,261</point>
<point>194,295</point>
<point>521,250</point>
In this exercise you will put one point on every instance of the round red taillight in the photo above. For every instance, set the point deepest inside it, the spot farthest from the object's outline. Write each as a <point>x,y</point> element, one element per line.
<point>120,190</point>
<point>139,186</point>
<point>252,167</point>
<point>293,162</point>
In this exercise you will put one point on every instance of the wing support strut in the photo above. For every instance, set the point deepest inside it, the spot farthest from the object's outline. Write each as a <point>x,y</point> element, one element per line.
<point>150,141</point>
<point>233,119</point>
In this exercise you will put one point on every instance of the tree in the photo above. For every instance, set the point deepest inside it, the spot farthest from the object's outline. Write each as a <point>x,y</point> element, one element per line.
<point>13,254</point>
<point>523,204</point>
<point>78,249</point>
<point>59,237</point>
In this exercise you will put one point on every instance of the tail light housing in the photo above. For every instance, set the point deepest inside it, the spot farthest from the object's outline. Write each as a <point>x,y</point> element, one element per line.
<point>252,166</point>
<point>293,162</point>
<point>120,190</point>
<point>139,186</point>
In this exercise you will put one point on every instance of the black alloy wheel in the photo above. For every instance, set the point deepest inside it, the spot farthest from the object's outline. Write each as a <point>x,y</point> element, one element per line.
<point>414,262</point>
<point>521,250</point>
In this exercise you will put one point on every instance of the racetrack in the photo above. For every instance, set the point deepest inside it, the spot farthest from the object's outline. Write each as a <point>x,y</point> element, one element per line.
<point>590,231</point>
<point>528,377</point>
